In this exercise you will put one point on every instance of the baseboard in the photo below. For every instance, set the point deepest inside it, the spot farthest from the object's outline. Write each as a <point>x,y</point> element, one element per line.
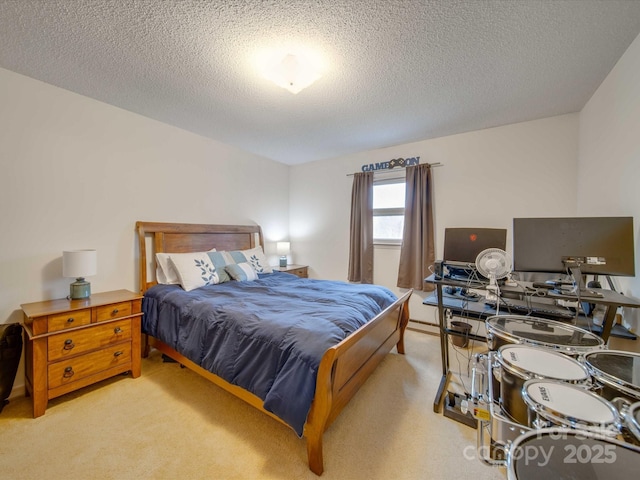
<point>423,327</point>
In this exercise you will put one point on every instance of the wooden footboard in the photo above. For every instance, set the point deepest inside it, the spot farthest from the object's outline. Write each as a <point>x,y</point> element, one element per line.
<point>345,367</point>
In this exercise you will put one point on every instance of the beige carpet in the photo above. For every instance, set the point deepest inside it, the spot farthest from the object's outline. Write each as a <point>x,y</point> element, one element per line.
<point>172,424</point>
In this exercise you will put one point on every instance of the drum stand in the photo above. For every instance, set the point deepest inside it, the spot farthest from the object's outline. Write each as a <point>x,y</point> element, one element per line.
<point>496,431</point>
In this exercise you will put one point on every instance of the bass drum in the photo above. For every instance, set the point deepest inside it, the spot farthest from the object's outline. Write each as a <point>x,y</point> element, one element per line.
<point>562,337</point>
<point>558,453</point>
<point>519,363</point>
<point>617,372</point>
<point>558,404</point>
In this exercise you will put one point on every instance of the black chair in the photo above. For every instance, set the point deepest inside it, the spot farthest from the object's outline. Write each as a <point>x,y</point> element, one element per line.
<point>10,353</point>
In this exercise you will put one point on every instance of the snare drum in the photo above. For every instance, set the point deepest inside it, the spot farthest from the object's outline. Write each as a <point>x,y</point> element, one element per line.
<point>562,337</point>
<point>520,363</point>
<point>560,453</point>
<point>558,404</point>
<point>618,373</point>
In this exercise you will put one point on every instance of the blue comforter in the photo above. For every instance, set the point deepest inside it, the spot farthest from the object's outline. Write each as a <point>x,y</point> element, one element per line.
<point>266,336</point>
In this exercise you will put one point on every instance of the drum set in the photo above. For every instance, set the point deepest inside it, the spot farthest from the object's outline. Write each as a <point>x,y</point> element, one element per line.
<point>550,398</point>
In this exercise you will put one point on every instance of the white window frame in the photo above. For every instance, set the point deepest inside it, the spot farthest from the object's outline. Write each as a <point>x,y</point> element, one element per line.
<point>384,212</point>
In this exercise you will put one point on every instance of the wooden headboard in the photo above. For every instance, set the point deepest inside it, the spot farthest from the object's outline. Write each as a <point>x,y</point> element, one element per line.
<point>189,237</point>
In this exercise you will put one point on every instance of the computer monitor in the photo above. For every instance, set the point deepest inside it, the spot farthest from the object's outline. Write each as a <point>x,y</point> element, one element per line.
<point>462,245</point>
<point>595,245</point>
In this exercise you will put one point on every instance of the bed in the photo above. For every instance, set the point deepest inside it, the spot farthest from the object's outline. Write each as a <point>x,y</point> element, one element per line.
<point>339,358</point>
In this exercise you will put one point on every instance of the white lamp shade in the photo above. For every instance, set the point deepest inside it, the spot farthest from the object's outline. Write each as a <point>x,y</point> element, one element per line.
<point>283,247</point>
<point>79,263</point>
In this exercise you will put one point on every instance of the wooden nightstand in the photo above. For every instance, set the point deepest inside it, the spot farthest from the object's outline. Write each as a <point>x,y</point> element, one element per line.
<point>300,270</point>
<point>70,344</point>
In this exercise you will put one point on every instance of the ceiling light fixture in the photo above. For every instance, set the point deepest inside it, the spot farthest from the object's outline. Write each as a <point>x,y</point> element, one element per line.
<point>292,72</point>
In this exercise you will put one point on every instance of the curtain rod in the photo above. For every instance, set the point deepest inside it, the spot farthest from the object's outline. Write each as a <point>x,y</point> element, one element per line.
<point>387,170</point>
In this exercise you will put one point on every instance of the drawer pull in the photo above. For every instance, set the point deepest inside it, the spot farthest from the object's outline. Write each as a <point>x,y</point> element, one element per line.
<point>117,330</point>
<point>68,344</point>
<point>68,372</point>
<point>115,311</point>
<point>70,320</point>
<point>118,353</point>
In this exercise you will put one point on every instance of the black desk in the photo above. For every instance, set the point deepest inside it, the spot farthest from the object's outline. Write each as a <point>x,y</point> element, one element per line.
<point>479,310</point>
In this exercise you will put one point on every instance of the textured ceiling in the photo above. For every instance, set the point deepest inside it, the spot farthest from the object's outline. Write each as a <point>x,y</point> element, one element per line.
<point>396,71</point>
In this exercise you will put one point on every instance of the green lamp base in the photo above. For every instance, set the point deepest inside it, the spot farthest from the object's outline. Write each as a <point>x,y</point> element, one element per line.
<point>80,289</point>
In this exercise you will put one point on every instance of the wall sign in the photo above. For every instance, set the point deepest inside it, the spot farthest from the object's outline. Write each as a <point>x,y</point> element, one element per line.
<point>396,162</point>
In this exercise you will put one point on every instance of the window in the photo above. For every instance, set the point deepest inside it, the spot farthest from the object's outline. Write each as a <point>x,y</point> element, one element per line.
<point>388,211</point>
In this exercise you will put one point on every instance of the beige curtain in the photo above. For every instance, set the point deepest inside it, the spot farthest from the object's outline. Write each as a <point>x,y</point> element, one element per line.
<point>361,238</point>
<point>417,253</point>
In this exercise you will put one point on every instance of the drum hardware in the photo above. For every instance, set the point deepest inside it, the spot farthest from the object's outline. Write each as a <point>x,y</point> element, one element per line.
<point>621,404</point>
<point>491,421</point>
<point>632,423</point>
<point>496,435</point>
<point>630,414</point>
<point>479,387</point>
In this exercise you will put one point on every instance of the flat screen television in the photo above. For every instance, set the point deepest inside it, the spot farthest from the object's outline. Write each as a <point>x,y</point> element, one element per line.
<point>462,245</point>
<point>594,245</point>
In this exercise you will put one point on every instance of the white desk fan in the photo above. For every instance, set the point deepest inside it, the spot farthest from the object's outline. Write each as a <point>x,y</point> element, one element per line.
<point>494,264</point>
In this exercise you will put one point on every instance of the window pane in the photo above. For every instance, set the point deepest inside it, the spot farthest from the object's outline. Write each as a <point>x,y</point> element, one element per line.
<point>388,195</point>
<point>388,227</point>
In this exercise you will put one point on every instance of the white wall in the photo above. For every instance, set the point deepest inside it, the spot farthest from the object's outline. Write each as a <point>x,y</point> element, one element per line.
<point>77,173</point>
<point>609,168</point>
<point>488,177</point>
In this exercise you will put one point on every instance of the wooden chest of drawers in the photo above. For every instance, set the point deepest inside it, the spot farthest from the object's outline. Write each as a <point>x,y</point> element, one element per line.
<point>70,344</point>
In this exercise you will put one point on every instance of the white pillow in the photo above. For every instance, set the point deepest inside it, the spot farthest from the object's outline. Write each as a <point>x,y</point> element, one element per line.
<point>258,260</point>
<point>242,272</point>
<point>165,273</point>
<point>254,256</point>
<point>194,269</point>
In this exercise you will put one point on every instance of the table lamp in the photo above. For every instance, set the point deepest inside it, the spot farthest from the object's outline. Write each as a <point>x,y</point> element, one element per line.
<point>283,249</point>
<point>79,264</point>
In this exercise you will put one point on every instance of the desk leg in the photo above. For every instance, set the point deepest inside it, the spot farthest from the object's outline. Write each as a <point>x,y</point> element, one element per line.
<point>609,320</point>
<point>444,352</point>
<point>442,389</point>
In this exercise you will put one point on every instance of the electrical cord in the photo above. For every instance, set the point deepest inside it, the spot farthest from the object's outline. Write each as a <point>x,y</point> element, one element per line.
<point>466,353</point>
